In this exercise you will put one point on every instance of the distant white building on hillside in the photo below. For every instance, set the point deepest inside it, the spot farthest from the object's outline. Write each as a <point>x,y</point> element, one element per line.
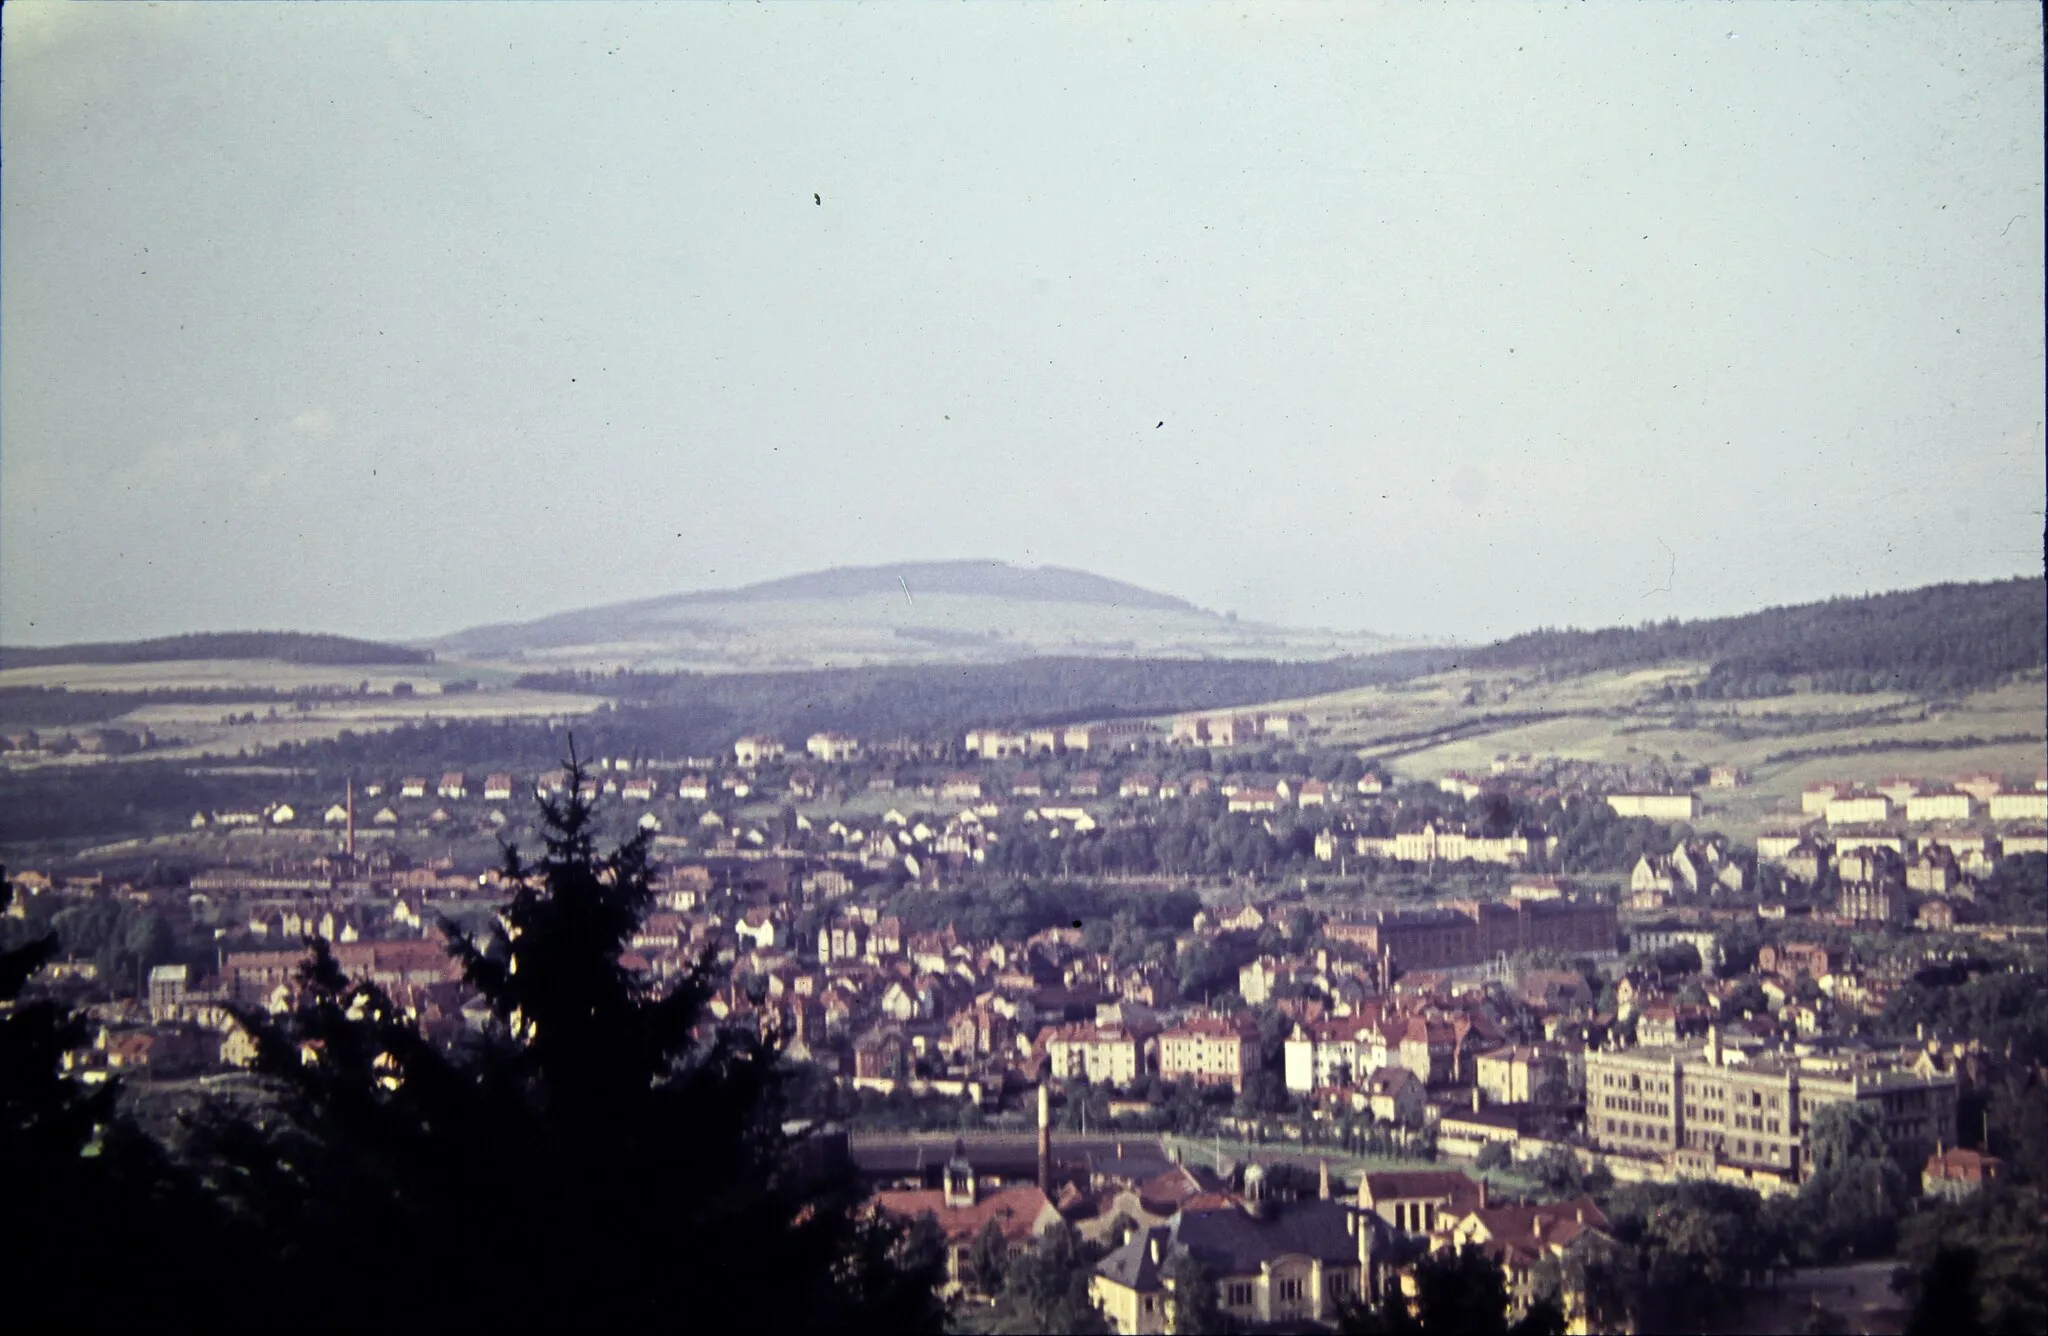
<point>1656,806</point>
<point>832,748</point>
<point>1854,809</point>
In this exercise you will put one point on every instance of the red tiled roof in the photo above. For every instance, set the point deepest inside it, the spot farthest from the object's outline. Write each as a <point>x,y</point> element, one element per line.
<point>1015,1209</point>
<point>1962,1166</point>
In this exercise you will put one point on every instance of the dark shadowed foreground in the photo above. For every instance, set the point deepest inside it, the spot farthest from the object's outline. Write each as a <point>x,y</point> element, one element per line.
<point>601,1151</point>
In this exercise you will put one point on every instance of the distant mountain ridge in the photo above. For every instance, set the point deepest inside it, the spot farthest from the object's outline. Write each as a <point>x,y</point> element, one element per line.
<point>988,579</point>
<point>283,646</point>
<point>976,611</point>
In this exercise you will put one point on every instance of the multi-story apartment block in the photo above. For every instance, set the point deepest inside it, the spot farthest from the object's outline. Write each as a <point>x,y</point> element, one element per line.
<point>1773,845</point>
<point>1872,902</point>
<point>1116,735</point>
<point>1852,809</point>
<point>1975,851</point>
<point>1468,932</point>
<point>1669,933</point>
<point>1938,807</point>
<point>1433,845</point>
<point>1284,725</point>
<point>1792,959</point>
<point>2019,806</point>
<point>1868,839</point>
<point>1320,1054</point>
<point>1656,806</point>
<point>996,744</point>
<point>1231,730</point>
<point>1208,1051</point>
<point>1934,872</point>
<point>832,748</point>
<point>1754,1115</point>
<point>1516,1075</point>
<point>1346,1051</point>
<point>1106,1056</point>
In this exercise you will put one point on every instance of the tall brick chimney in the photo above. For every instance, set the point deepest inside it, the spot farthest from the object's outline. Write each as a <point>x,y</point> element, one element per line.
<point>1045,1139</point>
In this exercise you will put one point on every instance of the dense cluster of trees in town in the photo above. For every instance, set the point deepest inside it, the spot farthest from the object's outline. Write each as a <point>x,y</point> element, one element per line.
<point>283,646</point>
<point>1197,837</point>
<point>1940,638</point>
<point>1461,1293</point>
<point>455,744</point>
<point>1044,1287</point>
<point>600,1132</point>
<point>55,806</point>
<point>2007,1011</point>
<point>1014,910</point>
<point>1979,1265</point>
<point>1192,841</point>
<point>2017,890</point>
<point>86,802</point>
<point>121,939</point>
<point>1680,1254</point>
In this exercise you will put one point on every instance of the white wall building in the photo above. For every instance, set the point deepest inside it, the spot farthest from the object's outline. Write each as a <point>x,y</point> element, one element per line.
<point>1859,809</point>
<point>1657,806</point>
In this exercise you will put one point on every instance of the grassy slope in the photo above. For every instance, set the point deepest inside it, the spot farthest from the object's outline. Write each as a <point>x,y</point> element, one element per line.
<point>1602,717</point>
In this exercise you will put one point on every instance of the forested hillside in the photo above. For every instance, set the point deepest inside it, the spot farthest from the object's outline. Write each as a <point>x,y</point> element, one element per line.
<point>284,646</point>
<point>1942,638</point>
<point>942,699</point>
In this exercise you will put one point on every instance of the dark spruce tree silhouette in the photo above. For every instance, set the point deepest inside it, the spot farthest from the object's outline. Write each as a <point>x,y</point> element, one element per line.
<point>1461,1293</point>
<point>85,1196</point>
<point>46,1118</point>
<point>604,1150</point>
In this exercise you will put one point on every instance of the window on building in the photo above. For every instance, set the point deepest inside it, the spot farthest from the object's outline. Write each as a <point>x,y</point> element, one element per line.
<point>1238,1294</point>
<point>1290,1289</point>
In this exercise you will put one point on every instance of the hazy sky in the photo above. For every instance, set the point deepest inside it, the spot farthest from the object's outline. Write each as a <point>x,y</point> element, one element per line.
<point>393,319</point>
